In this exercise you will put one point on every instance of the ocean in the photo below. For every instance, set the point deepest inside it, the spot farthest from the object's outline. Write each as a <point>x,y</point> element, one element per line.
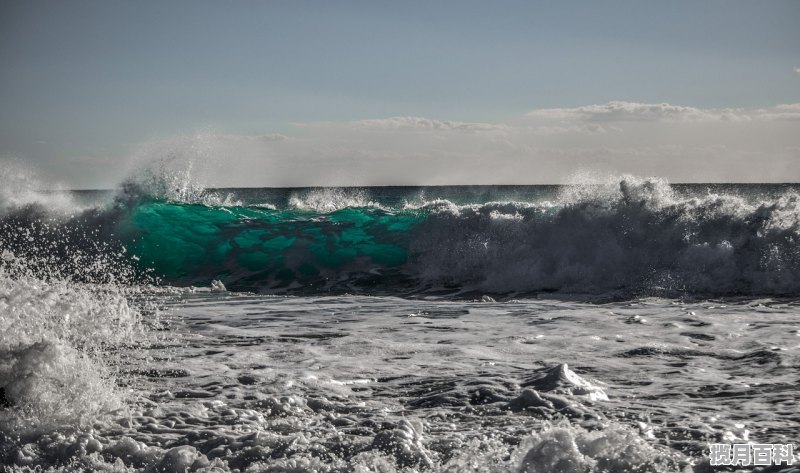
<point>616,326</point>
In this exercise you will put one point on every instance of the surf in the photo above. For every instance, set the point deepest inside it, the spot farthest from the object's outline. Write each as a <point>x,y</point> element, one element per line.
<point>625,237</point>
<point>639,238</point>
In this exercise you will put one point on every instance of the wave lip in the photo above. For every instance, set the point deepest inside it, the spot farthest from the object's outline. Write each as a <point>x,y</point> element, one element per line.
<point>327,200</point>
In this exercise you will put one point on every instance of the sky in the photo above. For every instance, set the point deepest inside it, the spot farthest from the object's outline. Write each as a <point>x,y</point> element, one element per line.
<point>292,93</point>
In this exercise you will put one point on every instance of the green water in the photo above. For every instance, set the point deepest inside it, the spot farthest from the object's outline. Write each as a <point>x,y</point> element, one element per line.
<point>194,243</point>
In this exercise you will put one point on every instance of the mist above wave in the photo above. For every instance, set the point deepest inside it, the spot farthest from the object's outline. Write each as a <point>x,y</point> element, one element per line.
<point>20,188</point>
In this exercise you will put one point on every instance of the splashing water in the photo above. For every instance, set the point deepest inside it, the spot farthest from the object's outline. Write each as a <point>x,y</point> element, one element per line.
<point>20,188</point>
<point>327,200</point>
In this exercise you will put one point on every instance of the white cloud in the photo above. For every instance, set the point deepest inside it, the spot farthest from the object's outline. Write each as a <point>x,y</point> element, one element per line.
<point>797,70</point>
<point>780,112</point>
<point>411,124</point>
<point>267,137</point>
<point>618,111</point>
<point>418,123</point>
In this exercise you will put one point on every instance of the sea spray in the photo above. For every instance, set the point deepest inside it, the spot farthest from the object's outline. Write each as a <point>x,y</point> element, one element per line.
<point>327,200</point>
<point>65,319</point>
<point>20,187</point>
<point>54,351</point>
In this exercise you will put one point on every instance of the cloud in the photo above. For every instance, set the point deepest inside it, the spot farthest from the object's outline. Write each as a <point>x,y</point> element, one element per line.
<point>797,70</point>
<point>410,124</point>
<point>618,111</point>
<point>789,112</point>
<point>419,123</point>
<point>266,137</point>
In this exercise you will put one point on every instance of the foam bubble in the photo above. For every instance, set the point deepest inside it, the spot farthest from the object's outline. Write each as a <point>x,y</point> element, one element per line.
<point>573,449</point>
<point>55,338</point>
<point>49,384</point>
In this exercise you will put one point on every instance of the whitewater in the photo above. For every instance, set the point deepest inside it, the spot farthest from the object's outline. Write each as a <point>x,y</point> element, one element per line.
<point>617,326</point>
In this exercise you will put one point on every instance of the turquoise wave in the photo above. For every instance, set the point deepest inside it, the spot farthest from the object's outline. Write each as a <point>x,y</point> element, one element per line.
<point>254,247</point>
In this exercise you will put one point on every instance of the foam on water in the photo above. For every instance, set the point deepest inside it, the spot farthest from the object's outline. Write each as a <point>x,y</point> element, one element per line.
<point>354,384</point>
<point>569,449</point>
<point>55,338</point>
<point>327,200</point>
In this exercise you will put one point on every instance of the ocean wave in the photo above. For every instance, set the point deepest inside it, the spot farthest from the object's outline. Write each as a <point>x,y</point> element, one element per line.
<point>639,239</point>
<point>627,237</point>
<point>642,238</point>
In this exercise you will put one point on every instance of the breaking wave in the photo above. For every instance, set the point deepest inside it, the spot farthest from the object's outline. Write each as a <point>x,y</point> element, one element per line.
<point>640,238</point>
<point>632,237</point>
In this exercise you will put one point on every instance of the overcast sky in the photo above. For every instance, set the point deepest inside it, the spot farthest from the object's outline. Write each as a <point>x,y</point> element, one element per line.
<point>367,93</point>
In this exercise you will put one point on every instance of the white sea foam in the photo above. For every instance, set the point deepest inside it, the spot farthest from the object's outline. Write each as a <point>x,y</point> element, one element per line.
<point>257,384</point>
<point>572,449</point>
<point>55,334</point>
<point>330,199</point>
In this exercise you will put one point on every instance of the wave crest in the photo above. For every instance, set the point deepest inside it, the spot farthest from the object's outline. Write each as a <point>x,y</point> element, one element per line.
<point>327,199</point>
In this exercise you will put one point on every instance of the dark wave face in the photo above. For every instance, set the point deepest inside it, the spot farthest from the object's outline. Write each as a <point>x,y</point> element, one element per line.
<point>630,238</point>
